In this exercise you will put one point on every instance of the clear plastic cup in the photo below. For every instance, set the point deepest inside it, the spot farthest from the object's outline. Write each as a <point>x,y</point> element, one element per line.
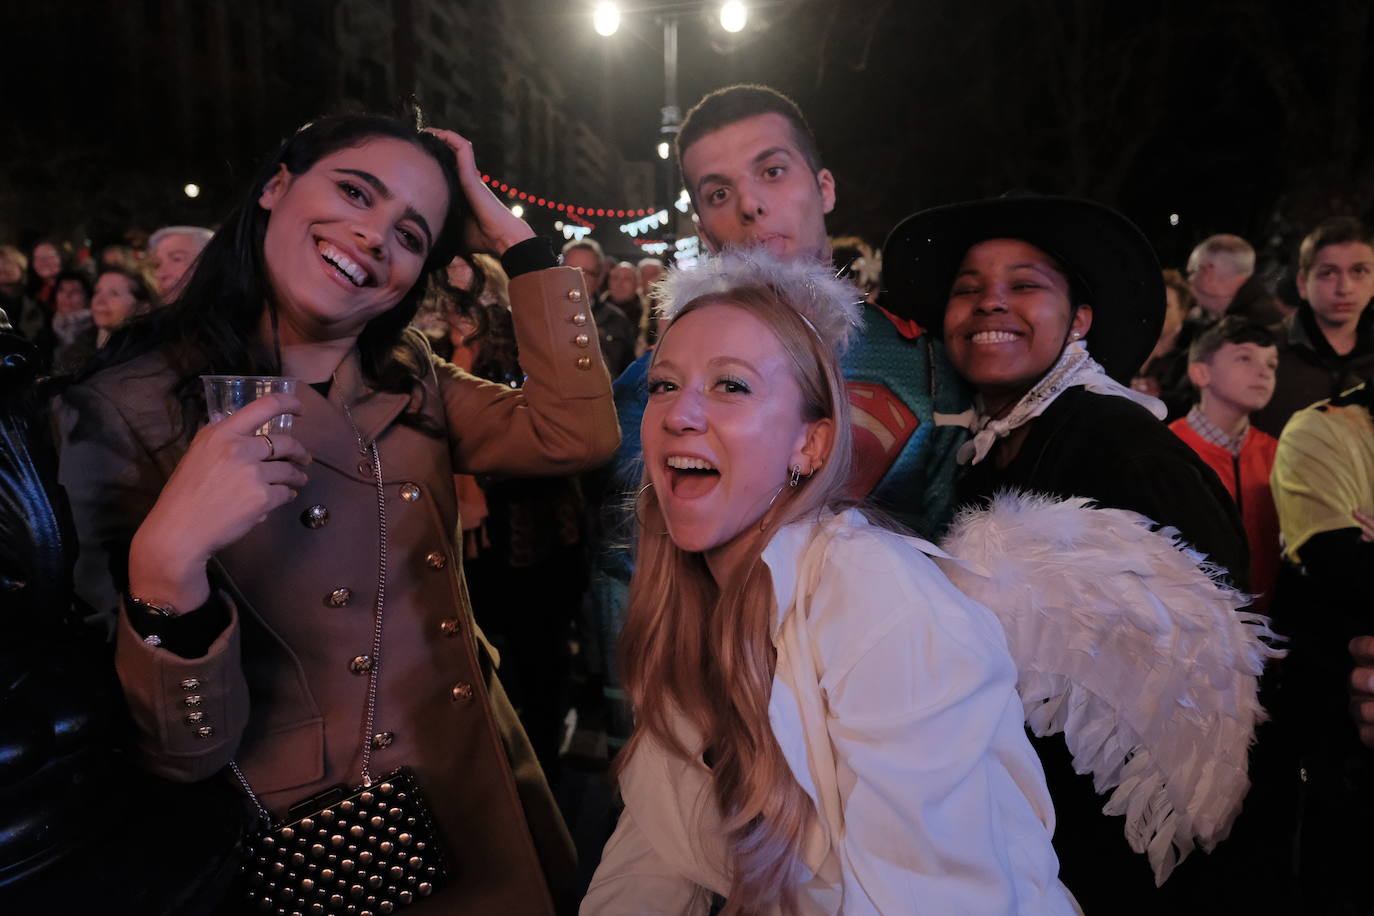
<point>225,394</point>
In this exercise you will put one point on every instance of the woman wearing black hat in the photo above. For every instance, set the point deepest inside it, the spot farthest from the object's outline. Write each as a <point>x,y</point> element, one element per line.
<point>1046,306</point>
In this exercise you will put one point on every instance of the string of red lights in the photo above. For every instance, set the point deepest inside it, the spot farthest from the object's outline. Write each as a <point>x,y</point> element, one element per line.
<point>560,206</point>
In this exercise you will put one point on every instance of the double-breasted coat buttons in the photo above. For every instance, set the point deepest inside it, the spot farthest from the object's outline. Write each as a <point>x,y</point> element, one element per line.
<point>436,560</point>
<point>361,664</point>
<point>582,340</point>
<point>410,492</point>
<point>579,319</point>
<point>195,718</point>
<point>449,626</point>
<point>339,597</point>
<point>574,295</point>
<point>584,362</point>
<point>315,517</point>
<point>461,692</point>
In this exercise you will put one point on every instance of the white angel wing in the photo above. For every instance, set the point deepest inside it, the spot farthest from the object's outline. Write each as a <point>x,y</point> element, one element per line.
<point>1128,642</point>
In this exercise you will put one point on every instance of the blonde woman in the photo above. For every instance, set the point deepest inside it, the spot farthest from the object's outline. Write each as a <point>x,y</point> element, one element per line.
<point>824,722</point>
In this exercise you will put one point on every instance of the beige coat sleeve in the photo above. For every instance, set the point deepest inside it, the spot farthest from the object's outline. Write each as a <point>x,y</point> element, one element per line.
<point>563,420</point>
<point>188,713</point>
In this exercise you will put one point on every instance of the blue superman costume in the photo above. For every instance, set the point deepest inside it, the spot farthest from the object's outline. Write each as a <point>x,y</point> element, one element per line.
<point>910,414</point>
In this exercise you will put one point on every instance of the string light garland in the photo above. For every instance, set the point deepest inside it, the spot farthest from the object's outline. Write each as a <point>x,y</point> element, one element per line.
<point>644,218</point>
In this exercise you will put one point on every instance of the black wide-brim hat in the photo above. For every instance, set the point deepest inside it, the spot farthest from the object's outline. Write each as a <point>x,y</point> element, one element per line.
<point>1109,260</point>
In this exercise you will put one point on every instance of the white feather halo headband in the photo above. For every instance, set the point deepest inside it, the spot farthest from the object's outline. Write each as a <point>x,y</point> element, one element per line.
<point>830,305</point>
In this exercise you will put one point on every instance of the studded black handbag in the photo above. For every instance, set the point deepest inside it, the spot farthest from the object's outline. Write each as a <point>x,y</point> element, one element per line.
<point>362,851</point>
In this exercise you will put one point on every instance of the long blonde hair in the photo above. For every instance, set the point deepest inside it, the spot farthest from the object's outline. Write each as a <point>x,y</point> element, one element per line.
<point>705,652</point>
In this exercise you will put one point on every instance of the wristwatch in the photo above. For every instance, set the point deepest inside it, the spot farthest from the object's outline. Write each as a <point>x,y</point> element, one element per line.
<point>157,610</point>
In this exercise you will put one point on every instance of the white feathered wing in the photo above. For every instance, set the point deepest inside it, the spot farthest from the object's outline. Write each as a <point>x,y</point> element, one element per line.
<point>1127,642</point>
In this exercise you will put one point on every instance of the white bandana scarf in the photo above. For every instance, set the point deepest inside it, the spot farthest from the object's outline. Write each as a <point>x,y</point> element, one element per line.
<point>1074,368</point>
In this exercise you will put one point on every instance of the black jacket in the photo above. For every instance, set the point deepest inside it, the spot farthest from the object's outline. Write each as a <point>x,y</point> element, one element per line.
<point>1309,370</point>
<point>1114,451</point>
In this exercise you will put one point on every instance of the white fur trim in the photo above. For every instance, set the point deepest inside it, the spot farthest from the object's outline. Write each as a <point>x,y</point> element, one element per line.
<point>828,303</point>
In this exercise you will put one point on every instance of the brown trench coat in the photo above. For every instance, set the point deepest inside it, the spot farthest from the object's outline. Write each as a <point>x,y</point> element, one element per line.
<point>276,687</point>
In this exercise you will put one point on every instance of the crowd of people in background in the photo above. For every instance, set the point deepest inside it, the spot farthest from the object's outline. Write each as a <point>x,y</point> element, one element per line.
<point>1260,455</point>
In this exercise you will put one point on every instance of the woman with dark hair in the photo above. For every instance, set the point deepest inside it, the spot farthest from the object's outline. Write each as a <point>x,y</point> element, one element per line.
<point>1047,306</point>
<point>119,296</point>
<point>73,327</point>
<point>291,605</point>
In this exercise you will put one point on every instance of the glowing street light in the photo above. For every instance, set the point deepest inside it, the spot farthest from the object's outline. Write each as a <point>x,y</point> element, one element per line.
<point>191,190</point>
<point>606,19</point>
<point>733,16</point>
<point>1173,219</point>
<point>663,150</point>
<point>517,211</point>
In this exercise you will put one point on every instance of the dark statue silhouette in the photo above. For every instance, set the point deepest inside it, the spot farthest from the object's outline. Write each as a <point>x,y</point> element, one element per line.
<point>81,829</point>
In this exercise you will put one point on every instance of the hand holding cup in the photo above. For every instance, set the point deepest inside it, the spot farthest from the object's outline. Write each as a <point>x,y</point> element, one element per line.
<point>230,478</point>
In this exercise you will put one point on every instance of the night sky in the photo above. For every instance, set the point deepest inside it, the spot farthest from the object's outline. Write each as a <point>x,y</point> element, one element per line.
<point>1239,115</point>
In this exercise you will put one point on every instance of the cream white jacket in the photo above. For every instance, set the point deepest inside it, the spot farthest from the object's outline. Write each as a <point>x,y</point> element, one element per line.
<point>894,702</point>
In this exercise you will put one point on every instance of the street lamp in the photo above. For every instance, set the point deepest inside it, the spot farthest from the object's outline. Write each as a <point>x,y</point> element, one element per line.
<point>733,16</point>
<point>191,190</point>
<point>606,19</point>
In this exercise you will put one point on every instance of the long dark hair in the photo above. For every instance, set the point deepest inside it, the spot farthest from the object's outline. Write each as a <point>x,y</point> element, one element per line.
<point>213,326</point>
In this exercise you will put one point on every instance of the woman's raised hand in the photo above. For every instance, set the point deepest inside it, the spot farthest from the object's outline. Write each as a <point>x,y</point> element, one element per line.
<point>491,227</point>
<point>225,484</point>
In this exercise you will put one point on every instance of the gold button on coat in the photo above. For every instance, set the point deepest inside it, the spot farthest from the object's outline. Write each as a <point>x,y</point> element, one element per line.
<point>582,340</point>
<point>410,492</point>
<point>361,664</point>
<point>205,731</point>
<point>191,683</point>
<point>574,295</point>
<point>579,319</point>
<point>584,362</point>
<point>449,627</point>
<point>315,517</point>
<point>436,560</point>
<point>193,700</point>
<point>461,692</point>
<point>195,718</point>
<point>339,597</point>
<point>383,739</point>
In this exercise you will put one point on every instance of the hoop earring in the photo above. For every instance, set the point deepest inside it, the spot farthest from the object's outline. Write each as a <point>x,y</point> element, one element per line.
<point>639,516</point>
<point>795,479</point>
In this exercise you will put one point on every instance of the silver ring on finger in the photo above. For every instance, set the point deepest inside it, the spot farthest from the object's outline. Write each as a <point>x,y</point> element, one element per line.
<point>271,449</point>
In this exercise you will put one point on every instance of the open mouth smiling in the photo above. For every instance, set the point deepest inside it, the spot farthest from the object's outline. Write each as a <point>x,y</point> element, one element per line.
<point>344,265</point>
<point>690,477</point>
<point>993,337</point>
